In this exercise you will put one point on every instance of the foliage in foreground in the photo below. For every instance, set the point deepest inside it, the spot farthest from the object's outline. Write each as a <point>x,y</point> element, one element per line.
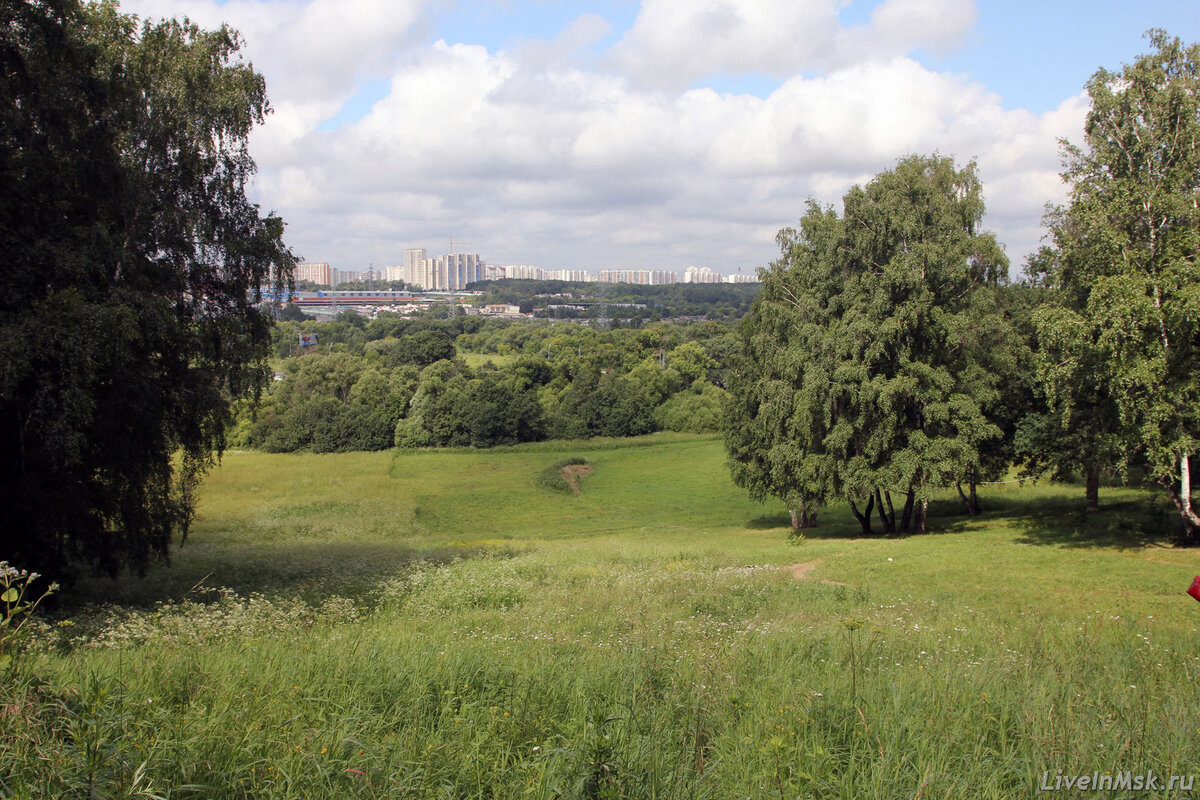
<point>132,261</point>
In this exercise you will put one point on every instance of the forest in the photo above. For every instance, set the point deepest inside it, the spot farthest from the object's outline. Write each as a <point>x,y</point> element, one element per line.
<point>465,381</point>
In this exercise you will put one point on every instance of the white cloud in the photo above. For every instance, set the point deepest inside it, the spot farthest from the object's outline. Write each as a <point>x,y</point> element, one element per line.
<point>674,43</point>
<point>901,26</point>
<point>533,157</point>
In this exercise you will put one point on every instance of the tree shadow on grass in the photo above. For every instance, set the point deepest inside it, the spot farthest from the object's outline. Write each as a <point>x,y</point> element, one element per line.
<point>1127,521</point>
<point>310,571</point>
<point>1048,515</point>
<point>835,522</point>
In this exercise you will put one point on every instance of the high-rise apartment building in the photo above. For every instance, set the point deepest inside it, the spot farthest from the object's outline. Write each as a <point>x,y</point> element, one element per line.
<point>414,267</point>
<point>314,272</point>
<point>461,269</point>
<point>448,272</point>
<point>702,275</point>
<point>523,271</point>
<point>577,275</point>
<point>337,276</point>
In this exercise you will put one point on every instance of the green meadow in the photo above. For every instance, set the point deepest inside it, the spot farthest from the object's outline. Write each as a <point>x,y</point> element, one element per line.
<point>442,624</point>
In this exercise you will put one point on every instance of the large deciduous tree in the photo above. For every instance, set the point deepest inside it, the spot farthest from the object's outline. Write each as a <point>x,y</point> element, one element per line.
<point>132,262</point>
<point>1125,328</point>
<point>865,355</point>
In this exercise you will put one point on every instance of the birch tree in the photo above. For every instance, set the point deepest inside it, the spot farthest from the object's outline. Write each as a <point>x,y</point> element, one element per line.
<point>1127,273</point>
<point>860,380</point>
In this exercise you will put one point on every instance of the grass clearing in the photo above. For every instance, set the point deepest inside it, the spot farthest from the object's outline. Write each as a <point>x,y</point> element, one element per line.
<point>436,624</point>
<point>477,360</point>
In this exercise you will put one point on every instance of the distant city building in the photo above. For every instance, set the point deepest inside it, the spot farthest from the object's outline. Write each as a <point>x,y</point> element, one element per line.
<point>337,276</point>
<point>523,271</point>
<point>576,275</point>
<point>414,268</point>
<point>643,277</point>
<point>454,271</point>
<point>702,275</point>
<point>313,272</point>
<point>448,272</point>
<point>461,269</point>
<point>499,310</point>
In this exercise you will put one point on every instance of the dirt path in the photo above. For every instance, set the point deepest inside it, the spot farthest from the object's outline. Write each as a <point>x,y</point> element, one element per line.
<point>801,569</point>
<point>572,473</point>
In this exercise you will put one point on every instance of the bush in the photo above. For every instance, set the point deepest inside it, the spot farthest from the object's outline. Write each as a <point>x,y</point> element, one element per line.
<point>693,411</point>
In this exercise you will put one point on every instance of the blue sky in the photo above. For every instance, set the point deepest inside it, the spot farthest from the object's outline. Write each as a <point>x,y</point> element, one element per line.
<point>1034,54</point>
<point>653,133</point>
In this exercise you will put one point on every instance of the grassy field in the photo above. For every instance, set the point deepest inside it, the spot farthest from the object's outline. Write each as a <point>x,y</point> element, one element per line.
<point>477,360</point>
<point>440,625</point>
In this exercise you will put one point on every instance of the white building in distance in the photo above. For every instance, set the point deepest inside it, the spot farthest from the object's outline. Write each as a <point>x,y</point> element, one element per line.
<point>702,275</point>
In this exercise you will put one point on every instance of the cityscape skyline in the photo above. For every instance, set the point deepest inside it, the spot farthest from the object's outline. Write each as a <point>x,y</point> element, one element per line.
<point>453,272</point>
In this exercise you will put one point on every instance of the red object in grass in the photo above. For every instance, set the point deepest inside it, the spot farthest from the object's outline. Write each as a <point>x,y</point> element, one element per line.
<point>1194,590</point>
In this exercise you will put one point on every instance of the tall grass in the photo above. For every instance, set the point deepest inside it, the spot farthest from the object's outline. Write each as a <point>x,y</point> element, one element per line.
<point>654,644</point>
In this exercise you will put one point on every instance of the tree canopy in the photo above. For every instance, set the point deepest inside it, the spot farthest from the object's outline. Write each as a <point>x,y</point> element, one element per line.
<point>133,261</point>
<point>1123,329</point>
<point>860,375</point>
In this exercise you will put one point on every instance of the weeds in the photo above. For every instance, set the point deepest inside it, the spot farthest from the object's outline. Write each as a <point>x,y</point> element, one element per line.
<point>19,604</point>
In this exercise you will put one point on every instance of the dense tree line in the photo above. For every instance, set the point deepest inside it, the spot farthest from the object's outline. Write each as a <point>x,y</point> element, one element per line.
<point>1121,328</point>
<point>395,381</point>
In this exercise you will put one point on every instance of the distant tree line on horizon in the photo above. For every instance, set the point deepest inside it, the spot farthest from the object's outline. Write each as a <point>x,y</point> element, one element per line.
<point>393,381</point>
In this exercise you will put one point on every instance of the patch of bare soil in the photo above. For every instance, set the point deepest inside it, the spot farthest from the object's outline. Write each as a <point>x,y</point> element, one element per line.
<point>573,472</point>
<point>800,571</point>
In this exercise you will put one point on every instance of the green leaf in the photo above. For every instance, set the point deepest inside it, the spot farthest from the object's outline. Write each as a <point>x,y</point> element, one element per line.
<point>10,596</point>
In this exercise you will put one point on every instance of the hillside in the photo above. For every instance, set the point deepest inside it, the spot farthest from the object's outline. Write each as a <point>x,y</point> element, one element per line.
<point>435,623</point>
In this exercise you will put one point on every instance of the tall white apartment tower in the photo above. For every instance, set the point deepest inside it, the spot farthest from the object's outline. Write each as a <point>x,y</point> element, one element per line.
<point>414,268</point>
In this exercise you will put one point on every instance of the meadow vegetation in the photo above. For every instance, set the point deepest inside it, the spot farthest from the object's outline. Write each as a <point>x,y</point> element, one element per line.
<point>435,623</point>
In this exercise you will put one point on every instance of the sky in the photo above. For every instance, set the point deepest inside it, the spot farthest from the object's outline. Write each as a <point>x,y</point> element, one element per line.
<point>658,134</point>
